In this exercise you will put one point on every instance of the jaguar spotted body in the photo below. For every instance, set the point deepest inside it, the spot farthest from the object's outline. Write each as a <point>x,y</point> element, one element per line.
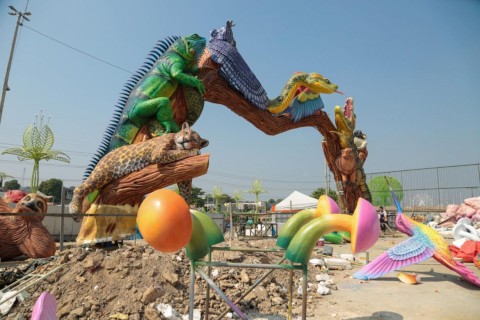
<point>122,161</point>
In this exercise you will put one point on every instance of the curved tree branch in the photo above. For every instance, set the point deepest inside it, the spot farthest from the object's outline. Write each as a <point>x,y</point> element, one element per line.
<point>219,91</point>
<point>131,188</point>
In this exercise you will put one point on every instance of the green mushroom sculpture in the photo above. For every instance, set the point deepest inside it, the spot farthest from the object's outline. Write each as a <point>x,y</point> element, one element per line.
<point>301,232</point>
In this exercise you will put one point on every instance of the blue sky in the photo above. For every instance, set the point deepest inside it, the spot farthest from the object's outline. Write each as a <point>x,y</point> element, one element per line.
<point>412,67</point>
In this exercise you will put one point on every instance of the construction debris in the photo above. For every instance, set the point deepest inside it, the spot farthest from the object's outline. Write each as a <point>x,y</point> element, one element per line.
<point>138,282</point>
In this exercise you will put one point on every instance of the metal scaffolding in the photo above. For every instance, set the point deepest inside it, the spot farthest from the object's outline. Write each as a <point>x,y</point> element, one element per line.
<point>280,265</point>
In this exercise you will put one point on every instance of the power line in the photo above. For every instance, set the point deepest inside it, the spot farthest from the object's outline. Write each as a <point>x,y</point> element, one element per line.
<point>227,175</point>
<point>78,50</point>
<point>211,173</point>
<point>18,162</point>
<point>221,174</point>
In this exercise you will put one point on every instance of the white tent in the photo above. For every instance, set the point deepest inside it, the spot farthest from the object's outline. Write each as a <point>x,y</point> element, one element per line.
<point>296,201</point>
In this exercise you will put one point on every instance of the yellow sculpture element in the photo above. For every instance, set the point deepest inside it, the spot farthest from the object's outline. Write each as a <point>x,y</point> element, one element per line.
<point>99,229</point>
<point>345,121</point>
<point>314,82</point>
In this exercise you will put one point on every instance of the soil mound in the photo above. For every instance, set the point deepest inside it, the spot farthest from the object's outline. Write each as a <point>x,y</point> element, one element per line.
<point>134,281</point>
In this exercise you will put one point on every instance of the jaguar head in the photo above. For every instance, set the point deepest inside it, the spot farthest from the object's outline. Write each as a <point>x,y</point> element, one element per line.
<point>187,139</point>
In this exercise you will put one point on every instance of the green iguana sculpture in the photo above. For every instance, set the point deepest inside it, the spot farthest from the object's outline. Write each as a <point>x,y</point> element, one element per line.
<point>146,97</point>
<point>151,97</point>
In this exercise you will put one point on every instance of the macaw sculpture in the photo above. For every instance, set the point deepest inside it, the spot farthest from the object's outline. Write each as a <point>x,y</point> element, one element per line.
<point>424,243</point>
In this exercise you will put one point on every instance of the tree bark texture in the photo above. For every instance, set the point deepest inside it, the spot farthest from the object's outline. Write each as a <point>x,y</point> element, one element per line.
<point>131,188</point>
<point>124,195</point>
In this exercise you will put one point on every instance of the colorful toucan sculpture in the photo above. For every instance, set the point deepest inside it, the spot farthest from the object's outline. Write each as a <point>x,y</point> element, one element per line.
<point>424,242</point>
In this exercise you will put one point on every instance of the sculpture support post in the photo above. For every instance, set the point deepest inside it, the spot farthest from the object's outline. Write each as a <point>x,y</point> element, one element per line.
<point>341,195</point>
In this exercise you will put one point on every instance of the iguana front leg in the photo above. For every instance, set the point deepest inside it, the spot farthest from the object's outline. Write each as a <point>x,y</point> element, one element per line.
<point>177,73</point>
<point>159,107</point>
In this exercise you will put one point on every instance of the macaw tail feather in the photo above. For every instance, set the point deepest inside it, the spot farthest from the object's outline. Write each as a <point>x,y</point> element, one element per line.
<point>466,273</point>
<point>459,268</point>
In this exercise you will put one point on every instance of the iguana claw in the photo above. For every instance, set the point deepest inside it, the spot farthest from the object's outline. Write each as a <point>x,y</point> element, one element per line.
<point>201,87</point>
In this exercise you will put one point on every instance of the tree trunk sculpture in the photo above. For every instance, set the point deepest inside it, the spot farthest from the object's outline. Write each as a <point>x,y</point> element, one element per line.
<point>124,195</point>
<point>133,187</point>
<point>220,92</point>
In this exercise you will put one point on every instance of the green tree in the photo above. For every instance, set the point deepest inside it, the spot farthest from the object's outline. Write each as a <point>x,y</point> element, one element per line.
<point>321,191</point>
<point>3,176</point>
<point>381,195</point>
<point>38,140</point>
<point>270,203</point>
<point>197,197</point>
<point>227,199</point>
<point>52,187</point>
<point>237,196</point>
<point>217,195</point>
<point>257,189</point>
<point>11,185</point>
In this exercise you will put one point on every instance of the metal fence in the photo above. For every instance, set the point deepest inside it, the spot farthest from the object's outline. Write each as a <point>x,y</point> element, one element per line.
<point>436,187</point>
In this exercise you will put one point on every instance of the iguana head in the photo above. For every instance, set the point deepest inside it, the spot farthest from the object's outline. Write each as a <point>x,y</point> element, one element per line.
<point>317,83</point>
<point>190,47</point>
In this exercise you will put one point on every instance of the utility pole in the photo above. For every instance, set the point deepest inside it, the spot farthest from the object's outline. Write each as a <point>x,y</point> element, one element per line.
<point>21,16</point>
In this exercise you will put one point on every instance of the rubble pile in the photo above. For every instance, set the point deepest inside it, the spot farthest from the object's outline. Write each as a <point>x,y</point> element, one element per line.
<point>138,282</point>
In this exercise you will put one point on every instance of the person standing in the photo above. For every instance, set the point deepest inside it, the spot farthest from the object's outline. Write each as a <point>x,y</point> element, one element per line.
<point>382,216</point>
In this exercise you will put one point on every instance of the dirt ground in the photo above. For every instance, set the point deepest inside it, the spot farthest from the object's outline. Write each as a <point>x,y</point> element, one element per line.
<point>442,294</point>
<point>133,281</point>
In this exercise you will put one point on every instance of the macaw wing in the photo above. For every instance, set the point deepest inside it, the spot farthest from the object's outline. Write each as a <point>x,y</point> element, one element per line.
<point>301,109</point>
<point>410,251</point>
<point>237,73</point>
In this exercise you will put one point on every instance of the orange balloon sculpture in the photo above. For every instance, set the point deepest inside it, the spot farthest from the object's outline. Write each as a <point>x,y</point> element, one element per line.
<point>164,220</point>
